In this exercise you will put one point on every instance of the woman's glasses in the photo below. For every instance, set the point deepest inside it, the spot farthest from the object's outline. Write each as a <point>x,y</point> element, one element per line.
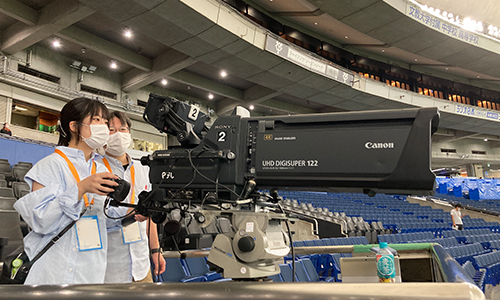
<point>121,129</point>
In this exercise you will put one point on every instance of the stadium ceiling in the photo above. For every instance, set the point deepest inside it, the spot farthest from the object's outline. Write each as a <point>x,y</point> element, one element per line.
<point>171,41</point>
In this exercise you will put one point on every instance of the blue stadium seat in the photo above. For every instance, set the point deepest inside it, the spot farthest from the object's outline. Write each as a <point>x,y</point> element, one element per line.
<point>286,272</point>
<point>197,266</point>
<point>311,272</point>
<point>175,272</point>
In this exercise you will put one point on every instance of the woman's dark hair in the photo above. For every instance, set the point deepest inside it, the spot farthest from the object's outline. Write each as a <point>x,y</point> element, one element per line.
<point>124,119</point>
<point>77,110</point>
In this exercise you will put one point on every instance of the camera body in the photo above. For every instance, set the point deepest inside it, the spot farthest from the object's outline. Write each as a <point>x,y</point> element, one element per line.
<point>369,152</point>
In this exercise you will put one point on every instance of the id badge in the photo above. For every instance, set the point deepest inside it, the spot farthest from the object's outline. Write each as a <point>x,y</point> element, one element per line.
<point>88,234</point>
<point>132,233</point>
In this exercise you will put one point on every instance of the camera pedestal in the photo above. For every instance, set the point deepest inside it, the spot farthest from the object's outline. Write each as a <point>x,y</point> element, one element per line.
<point>254,250</point>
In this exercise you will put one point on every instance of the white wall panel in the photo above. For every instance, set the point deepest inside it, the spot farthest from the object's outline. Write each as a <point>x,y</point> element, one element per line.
<point>377,88</point>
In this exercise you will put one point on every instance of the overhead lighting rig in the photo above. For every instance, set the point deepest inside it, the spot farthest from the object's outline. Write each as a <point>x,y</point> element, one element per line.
<point>83,67</point>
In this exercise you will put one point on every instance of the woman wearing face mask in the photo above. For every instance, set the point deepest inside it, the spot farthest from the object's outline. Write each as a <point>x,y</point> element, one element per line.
<point>68,185</point>
<point>128,252</point>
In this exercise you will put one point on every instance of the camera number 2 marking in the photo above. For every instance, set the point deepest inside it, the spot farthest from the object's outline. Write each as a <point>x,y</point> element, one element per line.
<point>193,112</point>
<point>221,136</point>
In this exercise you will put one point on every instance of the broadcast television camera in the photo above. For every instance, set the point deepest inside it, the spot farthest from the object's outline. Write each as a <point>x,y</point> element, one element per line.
<point>222,169</point>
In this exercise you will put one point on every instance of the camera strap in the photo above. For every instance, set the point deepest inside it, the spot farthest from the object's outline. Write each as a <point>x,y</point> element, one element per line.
<point>75,174</point>
<point>56,238</point>
<point>132,177</point>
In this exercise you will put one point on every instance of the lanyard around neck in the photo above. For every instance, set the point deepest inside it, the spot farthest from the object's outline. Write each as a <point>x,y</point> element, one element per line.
<point>132,178</point>
<point>75,174</point>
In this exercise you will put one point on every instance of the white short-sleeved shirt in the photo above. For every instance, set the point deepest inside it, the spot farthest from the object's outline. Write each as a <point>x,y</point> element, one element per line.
<point>138,253</point>
<point>49,210</point>
<point>457,216</point>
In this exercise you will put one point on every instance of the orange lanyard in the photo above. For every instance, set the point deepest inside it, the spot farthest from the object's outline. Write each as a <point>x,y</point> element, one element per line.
<point>75,174</point>
<point>132,177</point>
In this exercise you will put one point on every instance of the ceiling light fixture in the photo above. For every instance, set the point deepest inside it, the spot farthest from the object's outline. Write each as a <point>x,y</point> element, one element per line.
<point>252,107</point>
<point>479,27</point>
<point>223,73</point>
<point>127,33</point>
<point>210,96</point>
<point>485,140</point>
<point>113,65</point>
<point>164,81</point>
<point>56,43</point>
<point>20,108</point>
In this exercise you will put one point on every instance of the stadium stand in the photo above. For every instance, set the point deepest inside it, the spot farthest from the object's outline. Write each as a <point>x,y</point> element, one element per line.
<point>473,248</point>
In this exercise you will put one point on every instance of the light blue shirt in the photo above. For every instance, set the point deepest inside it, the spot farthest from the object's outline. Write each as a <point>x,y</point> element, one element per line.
<point>136,255</point>
<point>49,210</point>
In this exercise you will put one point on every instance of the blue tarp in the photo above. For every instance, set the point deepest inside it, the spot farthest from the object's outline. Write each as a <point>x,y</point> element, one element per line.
<point>476,188</point>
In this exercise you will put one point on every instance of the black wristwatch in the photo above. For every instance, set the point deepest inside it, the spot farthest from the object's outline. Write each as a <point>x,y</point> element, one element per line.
<point>156,250</point>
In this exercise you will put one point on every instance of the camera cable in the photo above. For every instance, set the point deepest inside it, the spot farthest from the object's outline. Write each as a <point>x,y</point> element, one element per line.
<point>208,179</point>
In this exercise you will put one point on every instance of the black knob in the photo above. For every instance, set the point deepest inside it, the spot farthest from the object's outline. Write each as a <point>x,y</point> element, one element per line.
<point>182,136</point>
<point>145,160</point>
<point>199,217</point>
<point>246,244</point>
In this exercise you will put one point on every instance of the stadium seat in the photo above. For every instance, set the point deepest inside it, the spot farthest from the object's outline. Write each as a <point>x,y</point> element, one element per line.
<point>19,187</point>
<point>175,272</point>
<point>25,163</point>
<point>301,273</point>
<point>312,273</point>
<point>5,170</point>
<point>197,266</point>
<point>10,228</point>
<point>286,273</point>
<point>19,171</point>
<point>7,203</point>
<point>6,192</point>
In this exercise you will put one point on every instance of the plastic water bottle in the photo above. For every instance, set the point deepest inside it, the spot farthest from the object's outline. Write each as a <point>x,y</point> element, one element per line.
<point>386,268</point>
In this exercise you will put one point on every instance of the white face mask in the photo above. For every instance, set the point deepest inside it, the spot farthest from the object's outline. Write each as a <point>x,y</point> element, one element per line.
<point>98,137</point>
<point>118,143</point>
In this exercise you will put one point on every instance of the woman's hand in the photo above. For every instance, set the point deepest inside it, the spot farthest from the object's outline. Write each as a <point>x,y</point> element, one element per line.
<point>160,264</point>
<point>140,218</point>
<point>95,184</point>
